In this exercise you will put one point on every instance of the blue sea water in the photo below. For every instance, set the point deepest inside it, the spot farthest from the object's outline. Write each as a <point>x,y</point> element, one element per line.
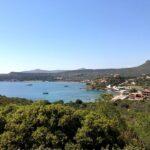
<point>67,91</point>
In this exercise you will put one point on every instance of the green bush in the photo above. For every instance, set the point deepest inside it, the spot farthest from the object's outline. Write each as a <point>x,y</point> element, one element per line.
<point>98,125</point>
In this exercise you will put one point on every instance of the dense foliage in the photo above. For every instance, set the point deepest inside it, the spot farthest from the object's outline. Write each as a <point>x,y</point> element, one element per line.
<point>143,82</point>
<point>75,125</point>
<point>19,101</point>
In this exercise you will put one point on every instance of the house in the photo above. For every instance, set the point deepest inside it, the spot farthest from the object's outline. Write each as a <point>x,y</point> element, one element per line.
<point>115,88</point>
<point>119,97</point>
<point>146,93</point>
<point>116,75</point>
<point>147,77</point>
<point>136,96</point>
<point>59,78</point>
<point>133,83</point>
<point>124,92</point>
<point>109,87</point>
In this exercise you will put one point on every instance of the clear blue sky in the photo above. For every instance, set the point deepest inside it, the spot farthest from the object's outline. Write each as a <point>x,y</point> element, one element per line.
<point>71,34</point>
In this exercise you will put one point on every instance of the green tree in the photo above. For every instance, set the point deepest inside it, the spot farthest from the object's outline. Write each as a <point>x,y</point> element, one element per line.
<point>99,131</point>
<point>105,97</point>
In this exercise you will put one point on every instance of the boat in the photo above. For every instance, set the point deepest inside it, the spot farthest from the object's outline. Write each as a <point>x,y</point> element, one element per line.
<point>29,84</point>
<point>66,86</point>
<point>45,93</point>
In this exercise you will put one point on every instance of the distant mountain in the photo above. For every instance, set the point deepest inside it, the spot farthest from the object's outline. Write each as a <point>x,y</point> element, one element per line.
<point>76,75</point>
<point>86,74</point>
<point>42,71</point>
<point>81,69</point>
<point>48,71</point>
<point>145,67</point>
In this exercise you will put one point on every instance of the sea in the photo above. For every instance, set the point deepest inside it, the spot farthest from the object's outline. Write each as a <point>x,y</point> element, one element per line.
<point>51,91</point>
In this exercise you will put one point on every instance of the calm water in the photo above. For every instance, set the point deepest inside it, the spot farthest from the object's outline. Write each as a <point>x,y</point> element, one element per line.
<point>67,91</point>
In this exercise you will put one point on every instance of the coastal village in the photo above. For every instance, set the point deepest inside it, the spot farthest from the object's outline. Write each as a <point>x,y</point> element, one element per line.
<point>122,88</point>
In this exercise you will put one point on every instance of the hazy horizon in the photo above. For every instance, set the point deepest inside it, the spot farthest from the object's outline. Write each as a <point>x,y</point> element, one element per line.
<point>68,35</point>
<point>40,69</point>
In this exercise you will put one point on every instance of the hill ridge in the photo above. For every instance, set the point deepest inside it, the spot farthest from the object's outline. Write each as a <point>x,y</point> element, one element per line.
<point>78,75</point>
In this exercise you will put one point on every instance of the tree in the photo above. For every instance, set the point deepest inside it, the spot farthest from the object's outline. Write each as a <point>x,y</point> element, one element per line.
<point>99,131</point>
<point>105,97</point>
<point>2,124</point>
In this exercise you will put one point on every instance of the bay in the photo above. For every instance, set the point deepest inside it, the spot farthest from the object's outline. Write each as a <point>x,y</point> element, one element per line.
<point>51,91</point>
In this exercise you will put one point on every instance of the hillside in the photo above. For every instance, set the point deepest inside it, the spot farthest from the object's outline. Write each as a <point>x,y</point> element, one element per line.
<point>42,71</point>
<point>76,75</point>
<point>93,73</point>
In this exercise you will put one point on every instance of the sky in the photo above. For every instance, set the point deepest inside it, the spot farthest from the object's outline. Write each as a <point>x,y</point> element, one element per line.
<point>72,34</point>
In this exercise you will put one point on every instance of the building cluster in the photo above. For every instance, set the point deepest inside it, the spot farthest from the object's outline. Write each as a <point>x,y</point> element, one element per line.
<point>127,93</point>
<point>124,89</point>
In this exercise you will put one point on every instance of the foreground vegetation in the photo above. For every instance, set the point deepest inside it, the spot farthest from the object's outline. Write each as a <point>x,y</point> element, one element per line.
<point>75,125</point>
